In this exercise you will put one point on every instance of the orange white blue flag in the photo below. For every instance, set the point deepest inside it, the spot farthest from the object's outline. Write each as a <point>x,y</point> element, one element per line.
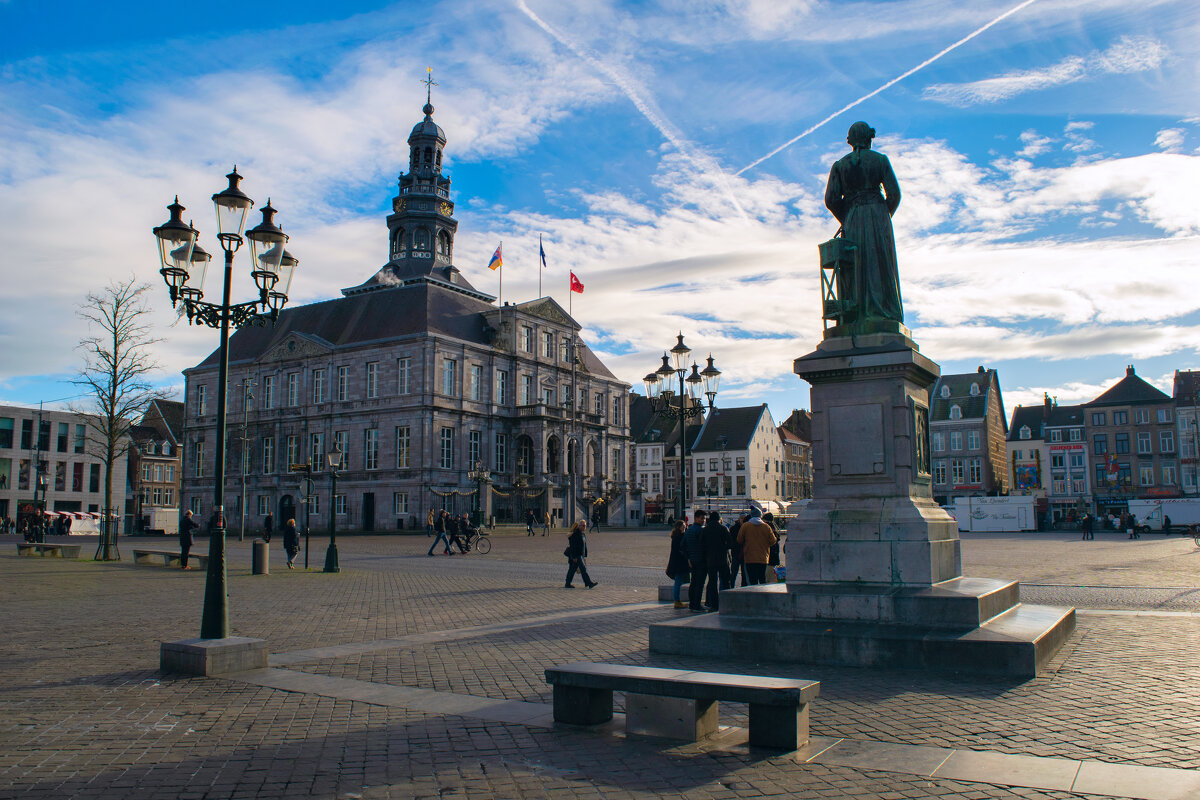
<point>497,260</point>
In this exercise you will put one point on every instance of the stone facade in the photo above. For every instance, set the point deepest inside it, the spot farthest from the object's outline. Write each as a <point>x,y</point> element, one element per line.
<point>155,468</point>
<point>968,428</point>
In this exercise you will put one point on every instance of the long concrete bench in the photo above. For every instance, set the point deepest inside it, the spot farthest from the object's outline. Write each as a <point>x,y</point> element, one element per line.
<point>48,550</point>
<point>166,558</point>
<point>681,704</point>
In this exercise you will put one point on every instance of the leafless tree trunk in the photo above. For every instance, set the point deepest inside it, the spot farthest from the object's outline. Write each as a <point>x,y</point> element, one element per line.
<point>116,366</point>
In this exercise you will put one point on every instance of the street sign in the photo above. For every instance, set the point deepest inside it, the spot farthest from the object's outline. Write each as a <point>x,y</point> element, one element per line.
<point>298,467</point>
<point>307,488</point>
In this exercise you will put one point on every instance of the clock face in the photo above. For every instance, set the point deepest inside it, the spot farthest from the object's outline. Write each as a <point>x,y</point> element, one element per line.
<point>446,209</point>
<point>397,205</point>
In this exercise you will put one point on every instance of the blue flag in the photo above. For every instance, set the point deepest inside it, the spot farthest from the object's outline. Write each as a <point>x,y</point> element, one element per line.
<point>541,251</point>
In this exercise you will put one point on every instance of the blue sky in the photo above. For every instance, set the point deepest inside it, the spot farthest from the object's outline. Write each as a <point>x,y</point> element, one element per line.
<point>1047,152</point>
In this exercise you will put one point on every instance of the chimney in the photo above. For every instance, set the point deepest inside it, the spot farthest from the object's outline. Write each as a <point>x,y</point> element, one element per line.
<point>1047,405</point>
<point>981,370</point>
<point>1129,371</point>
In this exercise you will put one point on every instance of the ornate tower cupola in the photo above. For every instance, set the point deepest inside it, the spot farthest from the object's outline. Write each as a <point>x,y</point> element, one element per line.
<point>421,229</point>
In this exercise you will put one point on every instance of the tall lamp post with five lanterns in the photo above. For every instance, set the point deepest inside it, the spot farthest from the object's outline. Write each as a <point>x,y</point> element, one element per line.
<point>184,264</point>
<point>662,397</point>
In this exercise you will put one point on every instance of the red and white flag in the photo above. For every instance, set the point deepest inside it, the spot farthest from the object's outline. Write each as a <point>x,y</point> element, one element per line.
<point>576,286</point>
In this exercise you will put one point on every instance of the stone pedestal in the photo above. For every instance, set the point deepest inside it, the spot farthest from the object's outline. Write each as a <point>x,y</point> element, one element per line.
<point>213,656</point>
<point>874,566</point>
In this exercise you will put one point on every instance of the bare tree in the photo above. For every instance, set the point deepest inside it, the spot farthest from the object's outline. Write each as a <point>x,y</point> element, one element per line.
<point>115,376</point>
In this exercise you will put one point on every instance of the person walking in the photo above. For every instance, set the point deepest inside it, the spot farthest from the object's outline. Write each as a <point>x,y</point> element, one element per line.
<point>429,523</point>
<point>714,539</point>
<point>576,552</point>
<point>1088,524</point>
<point>773,558</point>
<point>1166,525</point>
<point>736,565</point>
<point>530,521</point>
<point>677,563</point>
<point>439,529</point>
<point>546,525</point>
<point>268,527</point>
<point>186,526</point>
<point>291,542</point>
<point>756,538</point>
<point>595,518</point>
<point>694,549</point>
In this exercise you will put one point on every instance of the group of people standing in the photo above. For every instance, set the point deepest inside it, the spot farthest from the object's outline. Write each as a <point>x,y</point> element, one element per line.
<point>452,531</point>
<point>710,556</point>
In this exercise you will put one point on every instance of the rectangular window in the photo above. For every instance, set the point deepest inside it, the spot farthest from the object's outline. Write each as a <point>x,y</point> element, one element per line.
<point>1076,461</point>
<point>1120,418</point>
<point>1143,443</point>
<point>7,426</point>
<point>158,473</point>
<point>343,384</point>
<point>199,473</point>
<point>339,505</point>
<point>1100,444</point>
<point>201,400</point>
<point>318,377</point>
<point>618,408</point>
<point>1164,415</point>
<point>44,436</point>
<point>373,379</point>
<point>476,382</point>
<point>501,387</point>
<point>1124,475</point>
<point>293,452</point>
<point>564,351</point>
<point>399,503</point>
<point>1057,461</point>
<point>26,434</point>
<point>168,496</point>
<point>403,440</point>
<point>449,370</point>
<point>93,479</point>
<point>314,503</point>
<point>547,344</point>
<point>1168,474</point>
<point>63,432</point>
<point>155,496</point>
<point>316,451</point>
<point>1121,443</point>
<point>146,472</point>
<point>741,484</point>
<point>526,339</point>
<point>341,443</point>
<point>972,440</point>
<point>956,440</point>
<point>246,464</point>
<point>293,389</point>
<point>474,439</point>
<point>263,505</point>
<point>1056,435</point>
<point>548,396</point>
<point>268,455</point>
<point>371,449</point>
<point>740,463</point>
<point>1076,434</point>
<point>1166,441</point>
<point>195,506</point>
<point>565,394</point>
<point>1098,418</point>
<point>599,405</point>
<point>80,438</point>
<point>77,477</point>
<point>700,465</point>
<point>170,473</point>
<point>526,390</point>
<point>1059,487</point>
<point>403,370</point>
<point>1146,475</point>
<point>501,449</point>
<point>956,471</point>
<point>269,391</point>
<point>1141,416</point>
<point>939,471</point>
<point>447,448</point>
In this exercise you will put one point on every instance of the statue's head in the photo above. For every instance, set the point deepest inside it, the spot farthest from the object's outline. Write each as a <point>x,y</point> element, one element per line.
<point>860,135</point>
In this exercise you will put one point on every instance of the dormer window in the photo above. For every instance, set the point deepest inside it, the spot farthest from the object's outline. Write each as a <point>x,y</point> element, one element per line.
<point>945,390</point>
<point>166,448</point>
<point>956,411</point>
<point>974,390</point>
<point>1024,433</point>
<point>150,448</point>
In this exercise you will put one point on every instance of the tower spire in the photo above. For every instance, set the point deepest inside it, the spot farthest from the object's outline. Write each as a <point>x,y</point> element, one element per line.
<point>429,84</point>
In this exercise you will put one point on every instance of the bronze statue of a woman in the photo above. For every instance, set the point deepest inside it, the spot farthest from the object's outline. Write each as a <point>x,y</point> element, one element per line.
<point>853,195</point>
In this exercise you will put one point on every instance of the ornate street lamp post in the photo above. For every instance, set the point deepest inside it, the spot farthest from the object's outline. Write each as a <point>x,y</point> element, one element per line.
<point>184,264</point>
<point>662,395</point>
<point>334,459</point>
<point>481,475</point>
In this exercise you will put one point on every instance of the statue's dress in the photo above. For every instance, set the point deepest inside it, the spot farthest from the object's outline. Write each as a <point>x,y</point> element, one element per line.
<point>853,195</point>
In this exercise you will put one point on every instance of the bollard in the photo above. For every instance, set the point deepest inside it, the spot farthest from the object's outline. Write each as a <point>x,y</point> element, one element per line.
<point>258,558</point>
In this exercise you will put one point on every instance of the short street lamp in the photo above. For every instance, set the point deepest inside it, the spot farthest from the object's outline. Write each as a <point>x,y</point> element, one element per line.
<point>481,475</point>
<point>662,395</point>
<point>184,265</point>
<point>334,460</point>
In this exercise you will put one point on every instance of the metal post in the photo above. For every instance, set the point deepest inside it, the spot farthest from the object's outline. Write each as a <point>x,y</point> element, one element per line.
<point>681,504</point>
<point>246,398</point>
<point>331,554</point>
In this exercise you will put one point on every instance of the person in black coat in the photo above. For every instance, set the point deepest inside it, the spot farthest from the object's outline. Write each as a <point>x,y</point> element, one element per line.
<point>678,568</point>
<point>576,552</point>
<point>714,538</point>
<point>186,526</point>
<point>291,541</point>
<point>268,527</point>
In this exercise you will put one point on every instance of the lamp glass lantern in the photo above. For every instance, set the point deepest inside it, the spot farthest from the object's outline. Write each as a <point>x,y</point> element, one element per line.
<point>232,204</point>
<point>194,288</point>
<point>653,385</point>
<point>266,250</point>
<point>680,353</point>
<point>712,379</point>
<point>334,457</point>
<point>694,382</point>
<point>175,242</point>
<point>278,294</point>
<point>665,373</point>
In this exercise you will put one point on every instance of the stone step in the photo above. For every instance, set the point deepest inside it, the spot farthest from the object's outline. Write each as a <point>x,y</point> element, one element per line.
<point>1015,644</point>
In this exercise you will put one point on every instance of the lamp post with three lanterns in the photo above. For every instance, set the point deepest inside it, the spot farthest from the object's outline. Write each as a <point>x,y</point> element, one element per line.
<point>662,395</point>
<point>184,265</point>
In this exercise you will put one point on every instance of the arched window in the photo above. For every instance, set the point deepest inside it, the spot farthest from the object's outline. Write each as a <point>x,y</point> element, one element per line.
<point>945,390</point>
<point>398,242</point>
<point>415,158</point>
<point>1024,433</point>
<point>150,448</point>
<point>552,455</point>
<point>443,244</point>
<point>956,411</point>
<point>421,239</point>
<point>974,390</point>
<point>428,154</point>
<point>166,448</point>
<point>439,158</point>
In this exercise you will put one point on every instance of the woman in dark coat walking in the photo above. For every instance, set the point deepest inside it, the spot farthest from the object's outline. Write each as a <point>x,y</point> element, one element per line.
<point>677,563</point>
<point>715,541</point>
<point>291,541</point>
<point>576,552</point>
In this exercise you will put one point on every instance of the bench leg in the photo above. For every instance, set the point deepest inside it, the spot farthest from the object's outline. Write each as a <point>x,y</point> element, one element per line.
<point>779,727</point>
<point>576,705</point>
<point>670,717</point>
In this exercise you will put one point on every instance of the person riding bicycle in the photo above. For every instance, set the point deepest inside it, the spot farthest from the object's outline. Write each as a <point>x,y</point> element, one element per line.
<point>454,530</point>
<point>466,531</point>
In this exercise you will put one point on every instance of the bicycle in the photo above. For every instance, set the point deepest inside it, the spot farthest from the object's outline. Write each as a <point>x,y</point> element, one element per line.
<point>1195,531</point>
<point>481,543</point>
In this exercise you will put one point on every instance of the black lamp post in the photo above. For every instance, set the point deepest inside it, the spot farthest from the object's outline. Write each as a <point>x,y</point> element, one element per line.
<point>334,459</point>
<point>662,395</point>
<point>480,474</point>
<point>184,264</point>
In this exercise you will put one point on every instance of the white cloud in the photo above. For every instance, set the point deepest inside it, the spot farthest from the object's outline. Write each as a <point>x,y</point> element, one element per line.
<point>1129,54</point>
<point>1170,140</point>
<point>1034,144</point>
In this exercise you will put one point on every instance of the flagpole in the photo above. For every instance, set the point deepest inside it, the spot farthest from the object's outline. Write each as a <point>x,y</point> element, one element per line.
<point>540,251</point>
<point>500,291</point>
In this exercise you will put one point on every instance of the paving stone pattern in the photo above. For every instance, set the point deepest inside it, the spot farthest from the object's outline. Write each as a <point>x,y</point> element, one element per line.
<point>84,712</point>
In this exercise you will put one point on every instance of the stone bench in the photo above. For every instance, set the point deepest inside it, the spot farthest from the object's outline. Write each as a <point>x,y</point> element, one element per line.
<point>166,558</point>
<point>681,704</point>
<point>48,550</point>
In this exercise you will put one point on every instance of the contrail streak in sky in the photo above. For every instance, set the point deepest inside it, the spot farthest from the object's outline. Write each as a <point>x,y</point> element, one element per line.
<point>887,85</point>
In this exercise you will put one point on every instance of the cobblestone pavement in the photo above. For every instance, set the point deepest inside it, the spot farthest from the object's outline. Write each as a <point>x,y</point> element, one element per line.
<point>85,713</point>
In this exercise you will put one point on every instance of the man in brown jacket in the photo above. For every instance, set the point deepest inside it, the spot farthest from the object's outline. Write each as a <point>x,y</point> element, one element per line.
<point>756,539</point>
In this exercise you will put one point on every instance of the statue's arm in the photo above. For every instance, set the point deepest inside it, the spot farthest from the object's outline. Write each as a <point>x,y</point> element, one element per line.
<point>891,187</point>
<point>835,199</point>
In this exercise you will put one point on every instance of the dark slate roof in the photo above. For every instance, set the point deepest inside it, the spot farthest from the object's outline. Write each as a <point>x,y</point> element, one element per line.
<point>368,317</point>
<point>641,414</point>
<point>1061,416</point>
<point>171,412</point>
<point>1130,390</point>
<point>143,433</point>
<point>1187,387</point>
<point>410,270</point>
<point>799,423</point>
<point>1031,416</point>
<point>973,406</point>
<point>735,425</point>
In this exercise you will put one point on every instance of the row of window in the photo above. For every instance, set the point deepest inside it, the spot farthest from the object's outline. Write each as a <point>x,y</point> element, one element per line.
<point>1124,475</point>
<point>159,496</point>
<point>59,482</point>
<point>159,473</point>
<point>961,471</point>
<point>1141,416</point>
<point>938,440</point>
<point>1166,443</point>
<point>63,442</point>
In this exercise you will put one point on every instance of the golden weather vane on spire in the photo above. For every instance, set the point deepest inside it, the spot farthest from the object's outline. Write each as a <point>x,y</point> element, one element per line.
<point>429,84</point>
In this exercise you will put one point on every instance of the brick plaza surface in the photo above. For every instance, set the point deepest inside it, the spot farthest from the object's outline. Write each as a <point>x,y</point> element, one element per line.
<point>85,713</point>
